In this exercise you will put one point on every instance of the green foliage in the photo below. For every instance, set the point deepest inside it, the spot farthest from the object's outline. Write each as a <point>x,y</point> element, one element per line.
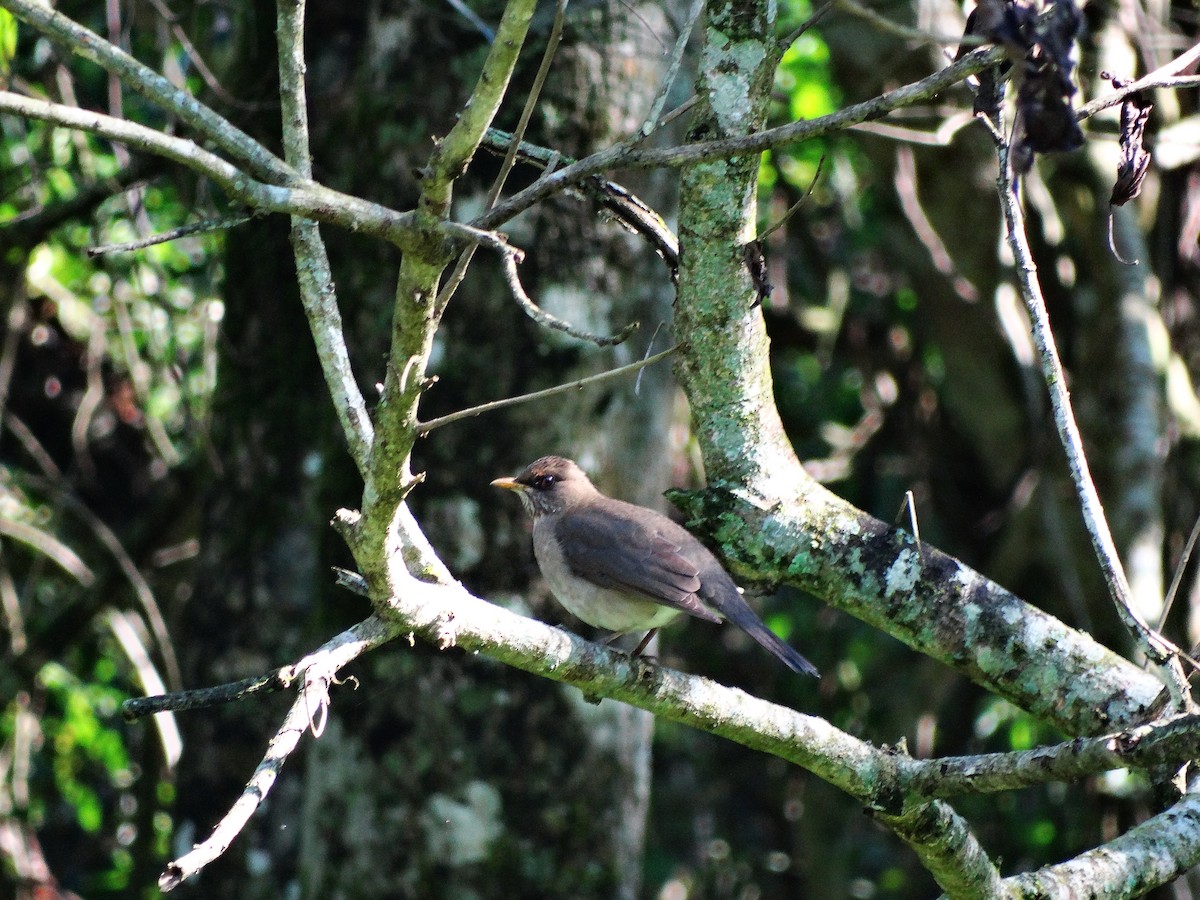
<point>81,770</point>
<point>8,41</point>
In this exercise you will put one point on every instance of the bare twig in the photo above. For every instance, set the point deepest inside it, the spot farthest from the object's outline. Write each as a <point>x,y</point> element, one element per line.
<point>202,698</point>
<point>1154,645</point>
<point>795,207</point>
<point>1180,566</point>
<point>1163,76</point>
<point>660,101</point>
<point>91,46</point>
<point>510,155</point>
<point>548,320</point>
<point>454,153</point>
<point>624,156</point>
<point>318,670</point>
<point>174,234</point>
<point>426,427</point>
<point>124,628</point>
<point>818,14</point>
<point>625,206</point>
<point>198,60</point>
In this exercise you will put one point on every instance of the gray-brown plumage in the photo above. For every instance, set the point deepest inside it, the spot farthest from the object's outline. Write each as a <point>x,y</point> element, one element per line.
<point>625,568</point>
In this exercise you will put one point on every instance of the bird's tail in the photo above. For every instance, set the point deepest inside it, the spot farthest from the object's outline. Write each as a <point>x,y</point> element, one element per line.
<point>737,611</point>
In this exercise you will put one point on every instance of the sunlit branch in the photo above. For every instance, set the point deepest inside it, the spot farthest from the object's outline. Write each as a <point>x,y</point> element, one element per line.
<point>1153,644</point>
<point>308,712</point>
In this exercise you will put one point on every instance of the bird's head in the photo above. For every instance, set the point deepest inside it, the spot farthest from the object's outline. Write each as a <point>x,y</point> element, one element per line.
<point>549,485</point>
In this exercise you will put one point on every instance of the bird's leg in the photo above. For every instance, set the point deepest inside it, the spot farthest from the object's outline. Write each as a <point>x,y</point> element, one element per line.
<point>637,651</point>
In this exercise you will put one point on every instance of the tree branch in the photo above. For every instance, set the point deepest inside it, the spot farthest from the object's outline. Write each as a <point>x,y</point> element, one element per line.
<point>203,226</point>
<point>1154,645</point>
<point>301,198</point>
<point>314,276</point>
<point>215,128</point>
<point>949,850</point>
<point>308,710</point>
<point>1148,855</point>
<point>625,156</point>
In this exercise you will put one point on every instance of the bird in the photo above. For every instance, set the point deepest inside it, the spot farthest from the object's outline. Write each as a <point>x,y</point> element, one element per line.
<point>625,568</point>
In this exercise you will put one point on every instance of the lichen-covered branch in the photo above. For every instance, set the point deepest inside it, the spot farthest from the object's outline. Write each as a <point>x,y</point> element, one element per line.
<point>1148,855</point>
<point>383,537</point>
<point>949,850</point>
<point>724,345</point>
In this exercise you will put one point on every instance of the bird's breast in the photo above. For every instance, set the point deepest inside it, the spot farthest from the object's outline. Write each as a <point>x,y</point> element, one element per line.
<point>601,607</point>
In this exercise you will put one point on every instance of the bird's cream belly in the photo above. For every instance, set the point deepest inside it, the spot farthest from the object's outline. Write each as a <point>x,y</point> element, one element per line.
<point>601,607</point>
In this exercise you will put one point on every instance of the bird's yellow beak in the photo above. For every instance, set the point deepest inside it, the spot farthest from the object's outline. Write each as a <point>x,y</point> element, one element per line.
<point>509,484</point>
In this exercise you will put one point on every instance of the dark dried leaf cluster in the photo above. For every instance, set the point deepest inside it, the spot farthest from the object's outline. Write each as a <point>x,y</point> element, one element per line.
<point>1040,47</point>
<point>756,264</point>
<point>1135,158</point>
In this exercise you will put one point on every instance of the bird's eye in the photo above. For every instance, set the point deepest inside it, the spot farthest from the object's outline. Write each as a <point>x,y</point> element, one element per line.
<point>542,482</point>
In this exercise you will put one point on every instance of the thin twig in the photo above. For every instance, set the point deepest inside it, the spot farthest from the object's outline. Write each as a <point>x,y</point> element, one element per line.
<point>1178,576</point>
<point>1154,645</point>
<point>549,320</point>
<point>795,207</point>
<point>473,17</point>
<point>123,626</point>
<point>651,122</point>
<point>313,273</point>
<point>1160,77</point>
<point>818,14</point>
<point>202,698</point>
<point>212,127</point>
<point>679,110</point>
<point>174,234</point>
<point>426,427</point>
<point>301,197</point>
<point>624,156</point>
<point>628,209</point>
<point>197,60</point>
<point>510,155</point>
<point>637,382</point>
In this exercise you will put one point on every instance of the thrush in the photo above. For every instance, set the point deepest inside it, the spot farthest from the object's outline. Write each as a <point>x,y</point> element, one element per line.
<point>625,568</point>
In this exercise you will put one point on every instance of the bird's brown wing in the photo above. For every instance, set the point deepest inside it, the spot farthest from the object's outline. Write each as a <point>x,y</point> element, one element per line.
<point>616,545</point>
